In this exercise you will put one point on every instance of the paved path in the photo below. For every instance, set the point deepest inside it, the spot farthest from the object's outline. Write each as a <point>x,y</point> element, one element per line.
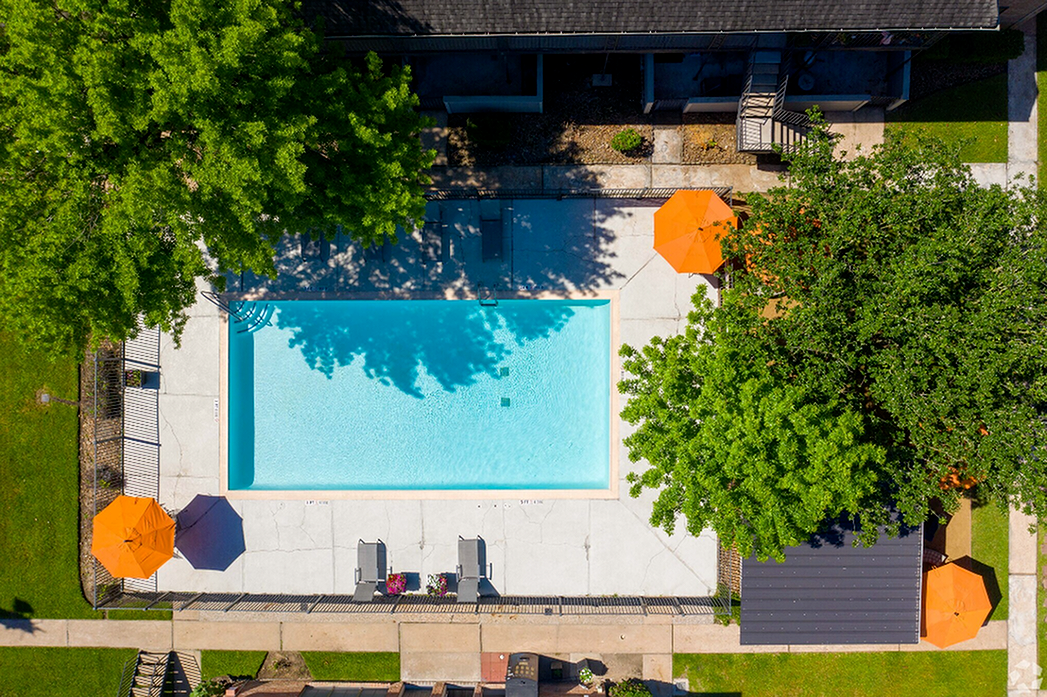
<point>437,648</point>
<point>1022,658</point>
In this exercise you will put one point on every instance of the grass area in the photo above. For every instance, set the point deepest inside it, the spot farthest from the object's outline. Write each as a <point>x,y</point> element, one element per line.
<point>1041,84</point>
<point>39,501</point>
<point>901,674</point>
<point>1041,598</point>
<point>355,667</point>
<point>974,114</point>
<point>138,615</point>
<point>236,663</point>
<point>989,546</point>
<point>61,672</point>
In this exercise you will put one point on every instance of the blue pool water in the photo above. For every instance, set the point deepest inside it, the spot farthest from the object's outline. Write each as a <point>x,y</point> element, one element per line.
<point>421,394</point>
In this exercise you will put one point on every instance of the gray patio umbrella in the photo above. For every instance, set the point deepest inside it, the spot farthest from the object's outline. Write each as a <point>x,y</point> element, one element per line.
<point>210,533</point>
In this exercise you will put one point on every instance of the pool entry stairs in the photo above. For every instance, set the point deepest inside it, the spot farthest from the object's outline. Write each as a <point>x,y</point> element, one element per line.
<point>763,121</point>
<point>251,316</point>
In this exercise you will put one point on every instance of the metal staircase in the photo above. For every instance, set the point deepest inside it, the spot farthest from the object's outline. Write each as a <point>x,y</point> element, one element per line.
<point>763,121</point>
<point>160,674</point>
<point>144,676</point>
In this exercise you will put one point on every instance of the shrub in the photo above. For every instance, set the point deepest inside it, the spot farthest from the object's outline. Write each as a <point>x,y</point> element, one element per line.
<point>992,47</point>
<point>209,688</point>
<point>629,688</point>
<point>626,140</point>
<point>491,131</point>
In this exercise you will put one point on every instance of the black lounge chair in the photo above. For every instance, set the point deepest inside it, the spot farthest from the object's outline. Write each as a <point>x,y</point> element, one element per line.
<point>370,570</point>
<point>491,237</point>
<point>472,568</point>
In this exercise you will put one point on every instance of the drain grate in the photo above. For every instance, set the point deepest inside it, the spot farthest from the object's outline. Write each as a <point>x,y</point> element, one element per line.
<point>505,401</point>
<point>503,372</point>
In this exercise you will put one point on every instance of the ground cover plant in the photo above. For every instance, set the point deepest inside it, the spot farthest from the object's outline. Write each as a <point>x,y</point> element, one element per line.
<point>1041,597</point>
<point>61,672</point>
<point>234,663</point>
<point>38,502</point>
<point>353,667</point>
<point>894,674</point>
<point>971,117</point>
<point>990,538</point>
<point>132,134</point>
<point>883,350</point>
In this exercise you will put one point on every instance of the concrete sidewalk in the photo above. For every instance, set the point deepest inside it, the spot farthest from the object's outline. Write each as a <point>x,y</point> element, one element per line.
<point>433,648</point>
<point>1023,671</point>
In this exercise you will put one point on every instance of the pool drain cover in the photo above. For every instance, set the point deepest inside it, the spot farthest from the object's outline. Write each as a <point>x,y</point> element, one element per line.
<point>505,401</point>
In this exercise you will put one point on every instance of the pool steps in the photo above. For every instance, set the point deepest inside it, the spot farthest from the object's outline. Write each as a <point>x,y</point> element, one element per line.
<point>254,318</point>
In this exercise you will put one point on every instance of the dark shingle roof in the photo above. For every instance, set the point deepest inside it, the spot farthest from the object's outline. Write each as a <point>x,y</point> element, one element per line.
<point>435,17</point>
<point>830,592</point>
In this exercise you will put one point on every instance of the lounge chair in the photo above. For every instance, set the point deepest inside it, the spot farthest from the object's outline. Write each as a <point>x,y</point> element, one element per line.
<point>378,253</point>
<point>315,247</point>
<point>432,242</point>
<point>370,570</point>
<point>491,237</point>
<point>472,568</point>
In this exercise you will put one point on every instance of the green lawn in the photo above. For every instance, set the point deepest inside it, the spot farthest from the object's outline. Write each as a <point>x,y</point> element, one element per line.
<point>989,546</point>
<point>975,113</point>
<point>235,663</point>
<point>355,667</point>
<point>61,672</point>
<point>895,674</point>
<point>38,499</point>
<point>1041,598</point>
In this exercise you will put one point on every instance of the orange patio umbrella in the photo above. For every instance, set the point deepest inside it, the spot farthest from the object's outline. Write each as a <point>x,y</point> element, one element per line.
<point>956,605</point>
<point>688,228</point>
<point>133,537</point>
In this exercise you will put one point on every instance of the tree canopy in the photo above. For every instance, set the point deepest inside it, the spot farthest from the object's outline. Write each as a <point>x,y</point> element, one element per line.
<point>881,346</point>
<point>135,136</point>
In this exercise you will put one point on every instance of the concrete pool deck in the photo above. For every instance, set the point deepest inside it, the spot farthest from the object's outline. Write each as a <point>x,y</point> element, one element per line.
<point>536,546</point>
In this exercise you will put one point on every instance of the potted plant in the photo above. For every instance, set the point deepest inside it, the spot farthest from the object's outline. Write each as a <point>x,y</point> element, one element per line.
<point>396,584</point>
<point>132,378</point>
<point>586,677</point>
<point>436,585</point>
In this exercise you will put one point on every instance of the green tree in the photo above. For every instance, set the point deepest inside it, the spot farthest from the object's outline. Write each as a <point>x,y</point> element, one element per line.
<point>734,444</point>
<point>911,322</point>
<point>134,136</point>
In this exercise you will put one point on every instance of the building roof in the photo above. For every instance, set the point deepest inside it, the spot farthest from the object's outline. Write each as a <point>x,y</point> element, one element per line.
<point>472,17</point>
<point>830,592</point>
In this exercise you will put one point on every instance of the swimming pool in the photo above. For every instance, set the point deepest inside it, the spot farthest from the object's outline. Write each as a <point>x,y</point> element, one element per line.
<point>366,395</point>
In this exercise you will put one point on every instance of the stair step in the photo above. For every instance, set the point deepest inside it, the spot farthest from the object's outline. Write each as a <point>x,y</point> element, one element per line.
<point>767,57</point>
<point>765,80</point>
<point>766,68</point>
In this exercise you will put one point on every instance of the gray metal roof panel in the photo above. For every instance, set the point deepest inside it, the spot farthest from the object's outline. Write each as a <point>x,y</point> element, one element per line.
<point>441,17</point>
<point>830,592</point>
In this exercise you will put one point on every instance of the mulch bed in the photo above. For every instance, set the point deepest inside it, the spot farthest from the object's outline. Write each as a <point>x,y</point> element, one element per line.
<point>579,122</point>
<point>544,139</point>
<point>108,456</point>
<point>929,76</point>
